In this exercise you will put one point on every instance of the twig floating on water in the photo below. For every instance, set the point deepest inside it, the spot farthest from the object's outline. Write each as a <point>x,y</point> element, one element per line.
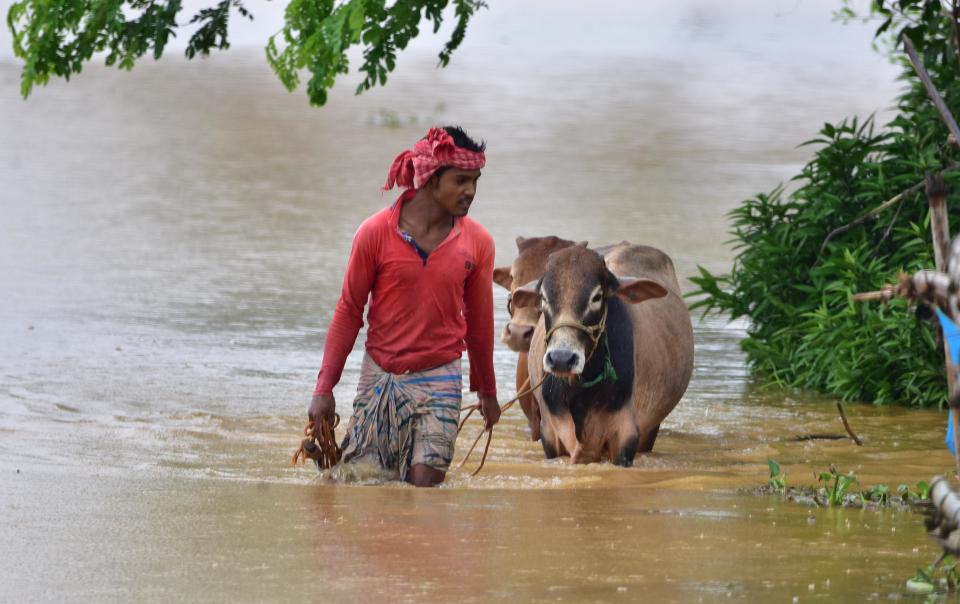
<point>846,425</point>
<point>805,437</point>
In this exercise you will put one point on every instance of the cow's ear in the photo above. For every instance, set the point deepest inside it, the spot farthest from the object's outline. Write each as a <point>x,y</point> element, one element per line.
<point>635,290</point>
<point>527,296</point>
<point>609,281</point>
<point>582,243</point>
<point>501,276</point>
<point>520,241</point>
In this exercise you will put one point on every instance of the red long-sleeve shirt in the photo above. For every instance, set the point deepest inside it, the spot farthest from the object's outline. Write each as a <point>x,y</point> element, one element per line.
<point>422,314</point>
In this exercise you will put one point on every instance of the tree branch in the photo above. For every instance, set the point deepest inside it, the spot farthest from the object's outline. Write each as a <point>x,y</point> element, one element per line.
<point>950,167</point>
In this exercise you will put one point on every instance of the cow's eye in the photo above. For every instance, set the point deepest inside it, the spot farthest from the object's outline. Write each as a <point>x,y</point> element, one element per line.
<point>596,298</point>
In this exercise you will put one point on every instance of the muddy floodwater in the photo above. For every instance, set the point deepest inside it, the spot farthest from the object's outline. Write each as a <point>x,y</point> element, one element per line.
<point>172,242</point>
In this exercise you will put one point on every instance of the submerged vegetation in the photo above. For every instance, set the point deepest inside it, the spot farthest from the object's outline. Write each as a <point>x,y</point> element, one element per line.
<point>805,331</point>
<point>836,489</point>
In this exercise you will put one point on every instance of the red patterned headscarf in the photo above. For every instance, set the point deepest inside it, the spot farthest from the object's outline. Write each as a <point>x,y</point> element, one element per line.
<point>413,168</point>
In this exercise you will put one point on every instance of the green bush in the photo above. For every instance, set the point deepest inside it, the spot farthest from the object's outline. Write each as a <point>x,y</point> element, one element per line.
<point>805,331</point>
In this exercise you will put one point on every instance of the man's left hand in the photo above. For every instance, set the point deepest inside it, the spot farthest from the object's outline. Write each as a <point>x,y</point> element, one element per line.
<point>490,409</point>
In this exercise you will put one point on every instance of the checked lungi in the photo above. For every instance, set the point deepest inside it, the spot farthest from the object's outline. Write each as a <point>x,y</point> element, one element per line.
<point>403,420</point>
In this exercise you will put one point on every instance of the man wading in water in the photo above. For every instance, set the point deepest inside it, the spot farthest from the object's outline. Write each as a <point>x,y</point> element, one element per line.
<point>428,271</point>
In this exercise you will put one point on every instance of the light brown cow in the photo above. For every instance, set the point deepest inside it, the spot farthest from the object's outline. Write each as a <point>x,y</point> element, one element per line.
<point>616,340</point>
<point>528,266</point>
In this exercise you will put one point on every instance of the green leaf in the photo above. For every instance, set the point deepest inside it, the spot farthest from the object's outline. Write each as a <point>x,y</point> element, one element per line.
<point>356,18</point>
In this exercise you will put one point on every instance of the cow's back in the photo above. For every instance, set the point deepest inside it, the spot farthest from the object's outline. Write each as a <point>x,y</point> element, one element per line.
<point>662,333</point>
<point>642,261</point>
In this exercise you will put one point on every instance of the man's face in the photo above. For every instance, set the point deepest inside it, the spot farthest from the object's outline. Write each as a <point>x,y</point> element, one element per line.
<point>454,190</point>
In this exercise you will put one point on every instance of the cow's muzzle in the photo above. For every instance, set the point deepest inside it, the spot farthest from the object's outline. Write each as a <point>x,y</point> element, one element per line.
<point>563,361</point>
<point>517,336</point>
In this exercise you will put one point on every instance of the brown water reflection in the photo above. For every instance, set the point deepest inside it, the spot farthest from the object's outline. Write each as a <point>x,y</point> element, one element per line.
<point>171,245</point>
<point>164,538</point>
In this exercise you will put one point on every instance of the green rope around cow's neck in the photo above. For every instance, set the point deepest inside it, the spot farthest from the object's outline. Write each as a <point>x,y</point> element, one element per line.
<point>608,373</point>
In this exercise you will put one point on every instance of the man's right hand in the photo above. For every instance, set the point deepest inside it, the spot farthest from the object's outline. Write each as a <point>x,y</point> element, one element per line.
<point>322,406</point>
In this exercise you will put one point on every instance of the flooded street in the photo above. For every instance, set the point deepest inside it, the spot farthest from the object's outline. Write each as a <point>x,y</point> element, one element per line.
<point>172,242</point>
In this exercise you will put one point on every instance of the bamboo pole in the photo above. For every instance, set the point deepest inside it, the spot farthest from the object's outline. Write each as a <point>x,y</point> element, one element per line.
<point>940,229</point>
<point>883,295</point>
<point>945,114</point>
<point>939,225</point>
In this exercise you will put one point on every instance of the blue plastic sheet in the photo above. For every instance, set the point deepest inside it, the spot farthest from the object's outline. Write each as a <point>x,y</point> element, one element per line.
<point>951,334</point>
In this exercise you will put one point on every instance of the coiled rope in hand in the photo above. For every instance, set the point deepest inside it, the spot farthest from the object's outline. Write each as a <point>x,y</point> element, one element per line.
<point>320,445</point>
<point>471,408</point>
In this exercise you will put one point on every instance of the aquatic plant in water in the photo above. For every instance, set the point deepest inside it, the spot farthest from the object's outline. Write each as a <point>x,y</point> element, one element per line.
<point>941,577</point>
<point>778,480</point>
<point>837,489</point>
<point>836,485</point>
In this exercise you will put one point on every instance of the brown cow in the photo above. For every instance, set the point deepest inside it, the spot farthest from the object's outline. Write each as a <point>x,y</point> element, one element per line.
<point>616,340</point>
<point>528,266</point>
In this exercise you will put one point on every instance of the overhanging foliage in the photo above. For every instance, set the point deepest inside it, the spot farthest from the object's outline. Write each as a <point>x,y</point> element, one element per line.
<point>56,37</point>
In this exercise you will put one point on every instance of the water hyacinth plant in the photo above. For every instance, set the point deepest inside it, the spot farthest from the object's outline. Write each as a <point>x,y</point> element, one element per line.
<point>836,485</point>
<point>837,489</point>
<point>778,479</point>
